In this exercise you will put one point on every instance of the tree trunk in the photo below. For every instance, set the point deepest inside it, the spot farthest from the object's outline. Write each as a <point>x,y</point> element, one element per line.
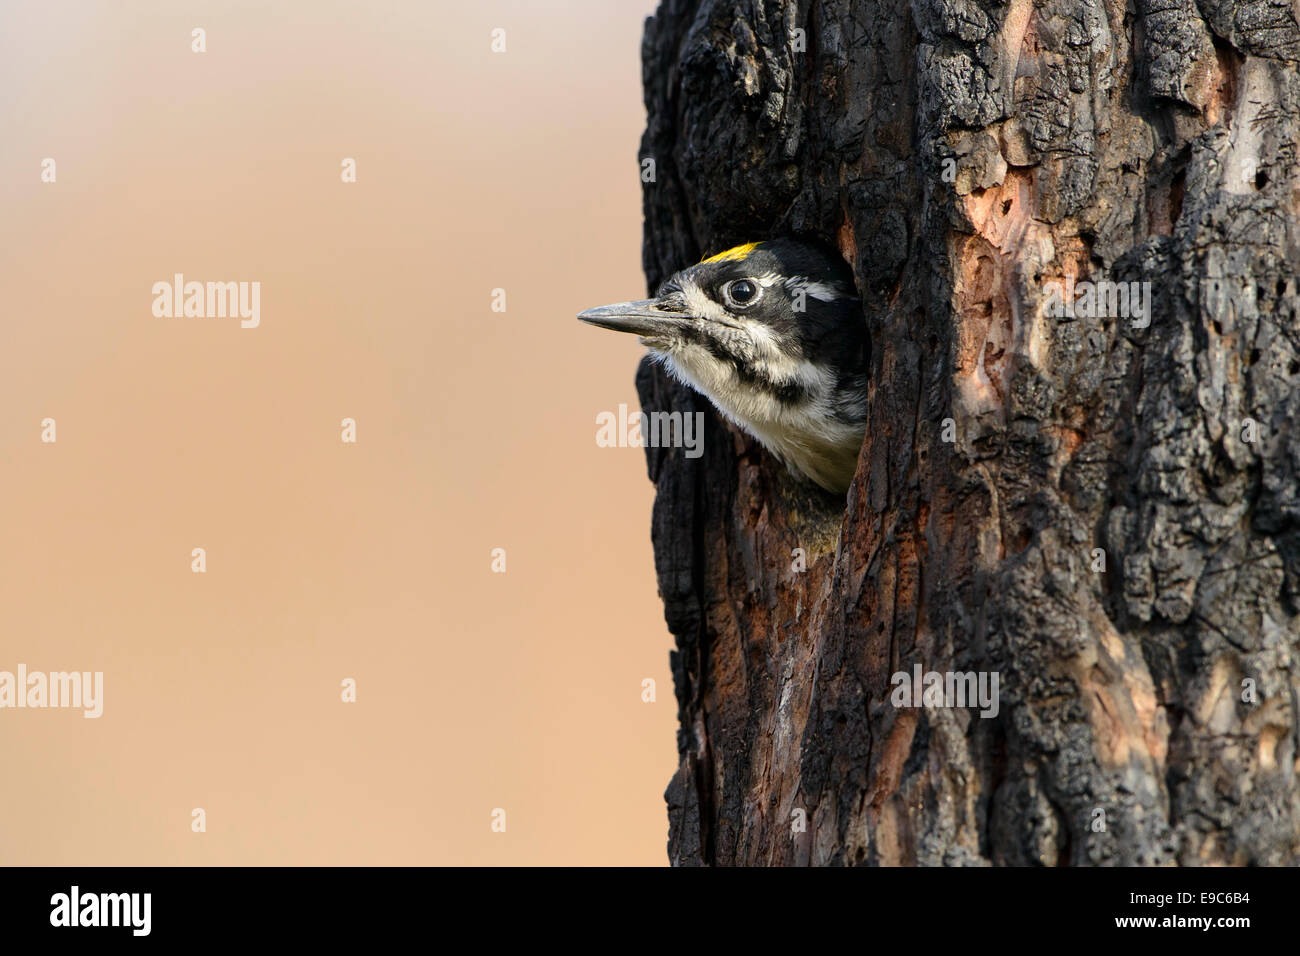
<point>1101,509</point>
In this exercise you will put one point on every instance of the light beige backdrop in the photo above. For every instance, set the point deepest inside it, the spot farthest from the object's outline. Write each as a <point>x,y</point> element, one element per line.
<point>325,561</point>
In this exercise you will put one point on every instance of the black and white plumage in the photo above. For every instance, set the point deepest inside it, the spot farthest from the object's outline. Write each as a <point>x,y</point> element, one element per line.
<point>773,334</point>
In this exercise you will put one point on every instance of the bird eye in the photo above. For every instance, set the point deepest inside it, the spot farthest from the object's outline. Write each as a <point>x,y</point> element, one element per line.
<point>741,292</point>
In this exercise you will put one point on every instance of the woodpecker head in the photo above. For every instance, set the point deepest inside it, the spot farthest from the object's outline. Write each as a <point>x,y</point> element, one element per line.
<point>773,334</point>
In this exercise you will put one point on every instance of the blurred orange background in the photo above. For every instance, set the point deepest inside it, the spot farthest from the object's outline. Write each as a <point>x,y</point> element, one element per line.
<point>475,430</point>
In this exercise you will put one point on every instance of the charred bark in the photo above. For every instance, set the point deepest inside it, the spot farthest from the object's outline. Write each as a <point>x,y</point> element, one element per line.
<point>1103,511</point>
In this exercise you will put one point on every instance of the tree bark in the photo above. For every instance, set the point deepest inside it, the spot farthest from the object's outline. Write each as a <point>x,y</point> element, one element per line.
<point>1075,502</point>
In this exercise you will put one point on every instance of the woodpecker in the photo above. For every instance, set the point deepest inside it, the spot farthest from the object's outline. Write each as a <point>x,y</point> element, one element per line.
<point>772,333</point>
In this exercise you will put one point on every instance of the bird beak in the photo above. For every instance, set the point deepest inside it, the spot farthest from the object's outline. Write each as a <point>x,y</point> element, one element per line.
<point>643,317</point>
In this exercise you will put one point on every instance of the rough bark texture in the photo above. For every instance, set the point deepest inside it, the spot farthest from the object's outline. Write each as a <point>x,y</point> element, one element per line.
<point>1088,139</point>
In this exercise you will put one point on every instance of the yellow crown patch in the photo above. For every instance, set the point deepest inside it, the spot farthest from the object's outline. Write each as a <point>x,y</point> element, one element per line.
<point>734,254</point>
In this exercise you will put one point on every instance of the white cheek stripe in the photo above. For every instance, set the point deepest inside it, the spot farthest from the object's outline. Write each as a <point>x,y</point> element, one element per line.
<point>701,306</point>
